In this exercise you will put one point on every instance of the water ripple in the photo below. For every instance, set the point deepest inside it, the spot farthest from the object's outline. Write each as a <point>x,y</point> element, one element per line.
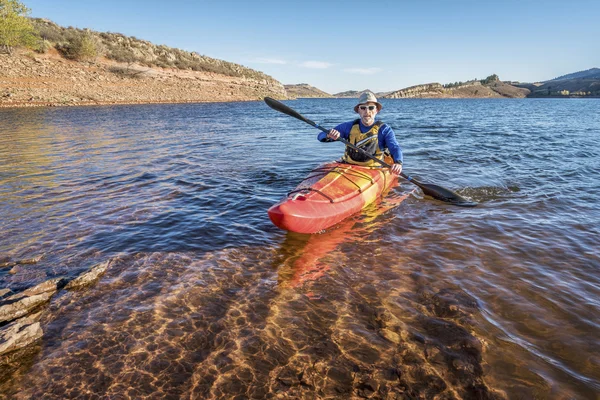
<point>207,299</point>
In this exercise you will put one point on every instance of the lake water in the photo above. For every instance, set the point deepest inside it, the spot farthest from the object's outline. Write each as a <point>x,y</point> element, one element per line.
<point>205,298</point>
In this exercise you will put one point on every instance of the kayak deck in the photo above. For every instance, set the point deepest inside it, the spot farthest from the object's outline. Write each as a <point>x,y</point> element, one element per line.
<point>329,194</point>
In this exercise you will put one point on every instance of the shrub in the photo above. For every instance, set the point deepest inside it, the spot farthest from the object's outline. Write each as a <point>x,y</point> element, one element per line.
<point>81,46</point>
<point>43,46</point>
<point>123,55</point>
<point>49,31</point>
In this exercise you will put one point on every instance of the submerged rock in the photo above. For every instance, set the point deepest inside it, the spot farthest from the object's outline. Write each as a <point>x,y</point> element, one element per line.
<point>22,303</point>
<point>7,262</point>
<point>88,277</point>
<point>20,333</point>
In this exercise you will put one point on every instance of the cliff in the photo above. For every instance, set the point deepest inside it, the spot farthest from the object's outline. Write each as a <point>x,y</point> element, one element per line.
<point>304,90</point>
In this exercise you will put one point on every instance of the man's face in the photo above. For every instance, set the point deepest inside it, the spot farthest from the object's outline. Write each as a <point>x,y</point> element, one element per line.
<point>367,113</point>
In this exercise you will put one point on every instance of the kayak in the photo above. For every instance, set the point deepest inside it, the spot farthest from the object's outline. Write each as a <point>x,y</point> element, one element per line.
<point>329,194</point>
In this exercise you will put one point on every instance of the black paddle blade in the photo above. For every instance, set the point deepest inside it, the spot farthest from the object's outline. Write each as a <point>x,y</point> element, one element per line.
<point>447,195</point>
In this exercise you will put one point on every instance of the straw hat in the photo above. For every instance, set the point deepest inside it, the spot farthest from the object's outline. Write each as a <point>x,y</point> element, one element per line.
<point>367,97</point>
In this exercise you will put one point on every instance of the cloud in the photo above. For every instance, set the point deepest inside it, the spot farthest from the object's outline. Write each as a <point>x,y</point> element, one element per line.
<point>363,71</point>
<point>315,64</point>
<point>270,61</point>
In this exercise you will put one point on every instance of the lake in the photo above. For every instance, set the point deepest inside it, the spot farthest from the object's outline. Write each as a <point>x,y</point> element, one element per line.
<point>205,298</point>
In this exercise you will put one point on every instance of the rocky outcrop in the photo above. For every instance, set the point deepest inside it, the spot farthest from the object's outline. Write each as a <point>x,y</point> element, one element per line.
<point>427,90</point>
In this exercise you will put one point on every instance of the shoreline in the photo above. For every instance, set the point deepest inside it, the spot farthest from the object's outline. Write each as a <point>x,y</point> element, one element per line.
<point>124,103</point>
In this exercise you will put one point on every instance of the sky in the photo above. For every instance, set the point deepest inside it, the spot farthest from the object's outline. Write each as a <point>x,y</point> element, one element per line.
<point>355,45</point>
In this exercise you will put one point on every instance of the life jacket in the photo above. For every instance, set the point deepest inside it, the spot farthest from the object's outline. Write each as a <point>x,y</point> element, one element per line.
<point>366,141</point>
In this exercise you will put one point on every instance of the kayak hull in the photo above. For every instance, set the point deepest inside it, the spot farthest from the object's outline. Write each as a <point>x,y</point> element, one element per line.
<point>331,193</point>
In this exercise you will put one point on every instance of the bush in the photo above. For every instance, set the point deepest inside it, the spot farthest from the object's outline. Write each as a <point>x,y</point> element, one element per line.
<point>50,32</point>
<point>81,46</point>
<point>43,46</point>
<point>122,55</point>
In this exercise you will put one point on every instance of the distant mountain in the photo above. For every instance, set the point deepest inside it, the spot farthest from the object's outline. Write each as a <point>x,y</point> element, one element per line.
<point>350,94</point>
<point>593,73</point>
<point>304,90</point>
<point>578,84</point>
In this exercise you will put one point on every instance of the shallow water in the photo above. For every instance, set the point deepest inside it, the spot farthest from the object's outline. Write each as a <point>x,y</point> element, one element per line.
<point>205,298</point>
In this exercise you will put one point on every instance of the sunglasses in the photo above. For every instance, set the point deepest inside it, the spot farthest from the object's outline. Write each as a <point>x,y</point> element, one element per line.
<point>371,108</point>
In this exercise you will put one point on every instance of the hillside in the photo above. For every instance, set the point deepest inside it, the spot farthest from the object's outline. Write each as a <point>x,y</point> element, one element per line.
<point>304,90</point>
<point>121,70</point>
<point>578,84</point>
<point>472,89</point>
<point>593,73</point>
<point>564,88</point>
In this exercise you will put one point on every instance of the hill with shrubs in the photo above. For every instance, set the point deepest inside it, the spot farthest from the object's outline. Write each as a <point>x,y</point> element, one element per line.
<point>47,64</point>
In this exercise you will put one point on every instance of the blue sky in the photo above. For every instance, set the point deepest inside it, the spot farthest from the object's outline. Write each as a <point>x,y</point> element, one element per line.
<point>354,45</point>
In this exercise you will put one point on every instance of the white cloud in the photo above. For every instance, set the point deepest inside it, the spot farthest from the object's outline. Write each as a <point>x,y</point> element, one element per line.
<point>270,61</point>
<point>315,64</point>
<point>363,71</point>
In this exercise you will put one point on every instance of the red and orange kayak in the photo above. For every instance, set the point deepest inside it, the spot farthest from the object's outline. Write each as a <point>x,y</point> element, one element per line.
<point>331,193</point>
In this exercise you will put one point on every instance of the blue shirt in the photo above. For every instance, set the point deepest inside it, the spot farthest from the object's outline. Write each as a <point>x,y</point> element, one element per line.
<point>385,137</point>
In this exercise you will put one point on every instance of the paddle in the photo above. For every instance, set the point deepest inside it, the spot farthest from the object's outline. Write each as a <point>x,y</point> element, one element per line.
<point>434,191</point>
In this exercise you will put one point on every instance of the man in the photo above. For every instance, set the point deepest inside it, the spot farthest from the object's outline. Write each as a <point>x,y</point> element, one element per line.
<point>372,136</point>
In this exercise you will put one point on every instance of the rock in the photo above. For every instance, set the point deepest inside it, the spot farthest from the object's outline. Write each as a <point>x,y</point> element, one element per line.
<point>20,333</point>
<point>88,277</point>
<point>4,292</point>
<point>20,304</point>
<point>14,310</point>
<point>51,286</point>
<point>8,264</point>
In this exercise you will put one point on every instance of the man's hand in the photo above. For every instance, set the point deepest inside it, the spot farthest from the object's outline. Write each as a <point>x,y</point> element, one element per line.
<point>333,134</point>
<point>396,169</point>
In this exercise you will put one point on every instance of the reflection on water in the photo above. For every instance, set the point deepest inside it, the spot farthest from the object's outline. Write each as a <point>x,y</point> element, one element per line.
<point>204,298</point>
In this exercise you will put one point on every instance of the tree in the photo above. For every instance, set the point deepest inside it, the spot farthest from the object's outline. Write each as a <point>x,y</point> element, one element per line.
<point>15,27</point>
<point>490,79</point>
